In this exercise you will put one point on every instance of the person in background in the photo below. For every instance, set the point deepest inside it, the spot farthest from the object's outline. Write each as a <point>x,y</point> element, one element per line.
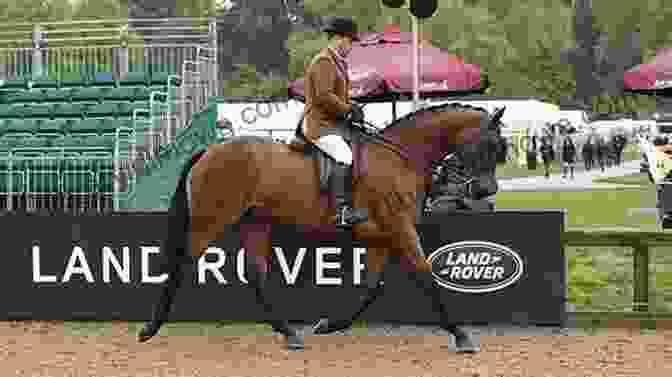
<point>587,153</point>
<point>602,150</point>
<point>568,157</point>
<point>546,150</point>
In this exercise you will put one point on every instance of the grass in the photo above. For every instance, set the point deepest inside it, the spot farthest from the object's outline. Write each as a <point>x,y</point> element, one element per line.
<point>640,179</point>
<point>604,208</point>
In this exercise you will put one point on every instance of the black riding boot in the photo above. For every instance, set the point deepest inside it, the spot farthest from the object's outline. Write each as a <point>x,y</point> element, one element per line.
<point>342,185</point>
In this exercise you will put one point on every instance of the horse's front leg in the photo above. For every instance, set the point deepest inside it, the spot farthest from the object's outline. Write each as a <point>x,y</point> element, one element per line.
<point>256,240</point>
<point>414,262</point>
<point>375,262</point>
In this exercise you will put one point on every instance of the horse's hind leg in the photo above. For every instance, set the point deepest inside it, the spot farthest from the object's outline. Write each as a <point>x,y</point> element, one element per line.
<point>375,262</point>
<point>256,240</point>
<point>414,262</point>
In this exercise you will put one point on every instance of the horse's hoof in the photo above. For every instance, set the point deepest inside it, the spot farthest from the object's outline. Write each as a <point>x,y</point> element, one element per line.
<point>321,327</point>
<point>465,344</point>
<point>147,332</point>
<point>325,326</point>
<point>295,343</point>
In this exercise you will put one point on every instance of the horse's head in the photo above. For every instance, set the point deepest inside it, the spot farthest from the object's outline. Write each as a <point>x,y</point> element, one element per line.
<point>430,134</point>
<point>481,157</point>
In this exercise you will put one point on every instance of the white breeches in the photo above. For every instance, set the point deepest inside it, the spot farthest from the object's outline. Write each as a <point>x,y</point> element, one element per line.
<point>336,147</point>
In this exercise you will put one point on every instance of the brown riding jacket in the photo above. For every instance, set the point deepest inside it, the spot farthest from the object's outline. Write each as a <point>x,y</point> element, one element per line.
<point>327,95</point>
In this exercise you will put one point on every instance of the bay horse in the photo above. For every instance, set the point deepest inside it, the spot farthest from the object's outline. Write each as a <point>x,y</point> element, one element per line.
<point>254,183</point>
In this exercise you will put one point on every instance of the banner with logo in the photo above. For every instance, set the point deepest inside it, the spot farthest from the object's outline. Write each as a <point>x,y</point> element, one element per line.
<point>502,267</point>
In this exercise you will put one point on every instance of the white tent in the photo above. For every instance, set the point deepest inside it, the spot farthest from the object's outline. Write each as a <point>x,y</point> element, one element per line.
<point>278,119</point>
<point>520,114</point>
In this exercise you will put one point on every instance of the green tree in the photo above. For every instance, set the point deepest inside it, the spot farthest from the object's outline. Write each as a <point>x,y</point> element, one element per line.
<point>31,10</point>
<point>93,9</point>
<point>517,43</point>
<point>250,84</point>
<point>196,8</point>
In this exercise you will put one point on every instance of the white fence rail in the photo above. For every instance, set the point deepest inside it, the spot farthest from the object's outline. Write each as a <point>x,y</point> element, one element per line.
<point>60,50</point>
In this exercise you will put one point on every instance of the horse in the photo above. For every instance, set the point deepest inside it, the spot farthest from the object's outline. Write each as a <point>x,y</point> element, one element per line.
<point>253,183</point>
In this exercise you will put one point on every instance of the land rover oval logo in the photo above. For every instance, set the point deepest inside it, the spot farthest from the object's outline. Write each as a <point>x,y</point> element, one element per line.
<point>475,266</point>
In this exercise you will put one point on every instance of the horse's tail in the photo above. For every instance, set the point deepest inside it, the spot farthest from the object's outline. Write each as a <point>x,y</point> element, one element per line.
<point>178,214</point>
<point>174,254</point>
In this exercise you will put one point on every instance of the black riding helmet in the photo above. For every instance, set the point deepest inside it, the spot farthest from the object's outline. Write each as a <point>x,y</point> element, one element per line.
<point>341,26</point>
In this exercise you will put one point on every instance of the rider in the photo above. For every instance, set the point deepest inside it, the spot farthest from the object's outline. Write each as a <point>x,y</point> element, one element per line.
<point>329,112</point>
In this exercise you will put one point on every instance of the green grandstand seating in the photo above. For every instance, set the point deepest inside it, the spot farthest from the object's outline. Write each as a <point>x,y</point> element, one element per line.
<point>43,83</point>
<point>27,142</point>
<point>110,125</point>
<point>25,96</point>
<point>135,79</point>
<point>105,181</point>
<point>160,78</point>
<point>57,95</point>
<point>87,94</point>
<point>108,140</point>
<point>159,88</point>
<point>42,174</point>
<point>53,126</point>
<point>37,110</point>
<point>99,160</point>
<point>17,181</point>
<point>124,122</point>
<point>28,126</point>
<point>105,109</point>
<point>70,110</point>
<point>142,94</point>
<point>19,83</point>
<point>120,94</point>
<point>97,141</point>
<point>44,181</point>
<point>67,141</point>
<point>80,81</point>
<point>85,126</point>
<point>79,181</point>
<point>127,108</point>
<point>11,111</point>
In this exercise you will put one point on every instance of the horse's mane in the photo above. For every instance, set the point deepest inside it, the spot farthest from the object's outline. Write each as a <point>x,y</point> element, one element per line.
<point>409,119</point>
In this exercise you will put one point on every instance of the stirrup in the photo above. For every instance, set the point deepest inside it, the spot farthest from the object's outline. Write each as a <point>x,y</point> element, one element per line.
<point>340,216</point>
<point>356,217</point>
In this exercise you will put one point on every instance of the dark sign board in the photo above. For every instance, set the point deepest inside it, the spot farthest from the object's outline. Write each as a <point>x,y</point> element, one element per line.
<point>501,267</point>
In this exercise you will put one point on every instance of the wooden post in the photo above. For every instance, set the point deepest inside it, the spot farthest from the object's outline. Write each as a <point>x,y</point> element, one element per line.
<point>36,64</point>
<point>640,254</point>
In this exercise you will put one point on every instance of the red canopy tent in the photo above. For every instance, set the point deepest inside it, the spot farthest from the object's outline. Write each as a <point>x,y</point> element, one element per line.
<point>652,77</point>
<point>381,69</point>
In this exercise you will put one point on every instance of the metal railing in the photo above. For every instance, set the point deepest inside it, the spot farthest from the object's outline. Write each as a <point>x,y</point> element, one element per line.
<point>185,47</point>
<point>60,50</point>
<point>73,179</point>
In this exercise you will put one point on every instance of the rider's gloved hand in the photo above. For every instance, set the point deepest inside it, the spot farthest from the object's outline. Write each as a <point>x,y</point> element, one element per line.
<point>356,114</point>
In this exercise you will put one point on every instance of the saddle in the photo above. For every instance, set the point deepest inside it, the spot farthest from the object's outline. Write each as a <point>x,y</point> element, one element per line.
<point>326,164</point>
